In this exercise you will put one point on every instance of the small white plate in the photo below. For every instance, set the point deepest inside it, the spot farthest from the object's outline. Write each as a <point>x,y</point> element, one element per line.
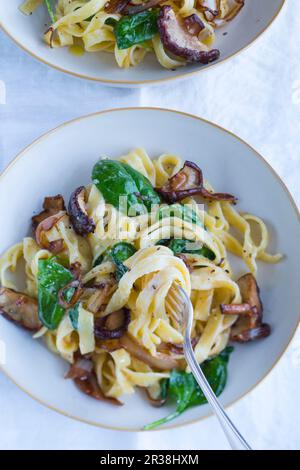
<point>27,32</point>
<point>62,160</point>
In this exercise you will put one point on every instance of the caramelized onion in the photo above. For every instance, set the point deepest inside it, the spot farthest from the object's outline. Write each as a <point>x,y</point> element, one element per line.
<point>75,284</point>
<point>189,182</point>
<point>113,326</point>
<point>46,225</point>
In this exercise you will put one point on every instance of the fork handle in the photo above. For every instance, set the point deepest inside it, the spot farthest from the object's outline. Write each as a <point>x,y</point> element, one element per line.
<point>234,437</point>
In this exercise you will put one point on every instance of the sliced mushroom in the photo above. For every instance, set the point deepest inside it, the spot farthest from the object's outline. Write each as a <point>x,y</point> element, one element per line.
<point>189,182</point>
<point>55,246</point>
<point>80,220</point>
<point>177,40</point>
<point>81,369</point>
<point>249,325</point>
<point>260,331</point>
<point>193,24</point>
<point>20,309</point>
<point>52,205</point>
<point>160,362</point>
<point>236,309</point>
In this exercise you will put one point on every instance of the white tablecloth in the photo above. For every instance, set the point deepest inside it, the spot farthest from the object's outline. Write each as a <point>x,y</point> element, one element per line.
<point>257,96</point>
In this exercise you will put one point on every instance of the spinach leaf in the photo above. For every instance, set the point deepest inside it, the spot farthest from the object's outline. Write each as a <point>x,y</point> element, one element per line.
<point>52,276</point>
<point>134,29</point>
<point>180,245</point>
<point>119,253</point>
<point>111,22</point>
<point>115,180</point>
<point>184,390</point>
<point>145,188</point>
<point>182,211</point>
<point>73,314</point>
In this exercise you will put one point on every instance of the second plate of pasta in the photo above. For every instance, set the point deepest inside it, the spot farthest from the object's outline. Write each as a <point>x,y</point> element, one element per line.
<point>90,263</point>
<point>130,43</point>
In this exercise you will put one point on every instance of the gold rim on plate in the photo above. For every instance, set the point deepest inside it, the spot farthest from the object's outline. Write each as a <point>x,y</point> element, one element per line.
<point>259,156</point>
<point>144,82</point>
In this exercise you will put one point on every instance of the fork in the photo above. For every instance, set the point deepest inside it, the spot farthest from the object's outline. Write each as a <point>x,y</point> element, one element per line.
<point>184,306</point>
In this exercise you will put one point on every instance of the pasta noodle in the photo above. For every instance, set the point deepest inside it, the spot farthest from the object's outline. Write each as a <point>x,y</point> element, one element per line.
<point>149,272</point>
<point>90,24</point>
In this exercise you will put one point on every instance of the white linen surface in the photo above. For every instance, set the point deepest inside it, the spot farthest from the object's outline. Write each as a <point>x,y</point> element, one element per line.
<point>257,96</point>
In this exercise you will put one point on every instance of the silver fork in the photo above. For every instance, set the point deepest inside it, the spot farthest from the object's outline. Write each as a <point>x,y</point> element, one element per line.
<point>235,439</point>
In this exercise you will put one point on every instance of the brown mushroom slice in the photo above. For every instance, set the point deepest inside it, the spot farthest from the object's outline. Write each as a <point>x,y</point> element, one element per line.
<point>189,182</point>
<point>236,309</point>
<point>249,325</point>
<point>260,331</point>
<point>81,369</point>
<point>20,309</point>
<point>177,40</point>
<point>193,24</point>
<point>160,362</point>
<point>55,246</point>
<point>52,205</point>
<point>80,220</point>
<point>250,292</point>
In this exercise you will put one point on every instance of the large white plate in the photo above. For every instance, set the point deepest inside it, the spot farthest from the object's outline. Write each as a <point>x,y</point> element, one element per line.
<point>62,160</point>
<point>27,32</point>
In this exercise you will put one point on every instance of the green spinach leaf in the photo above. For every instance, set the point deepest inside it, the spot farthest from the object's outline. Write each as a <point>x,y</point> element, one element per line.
<point>145,188</point>
<point>52,276</point>
<point>182,211</point>
<point>180,245</point>
<point>184,390</point>
<point>134,29</point>
<point>73,314</point>
<point>119,253</point>
<point>115,180</point>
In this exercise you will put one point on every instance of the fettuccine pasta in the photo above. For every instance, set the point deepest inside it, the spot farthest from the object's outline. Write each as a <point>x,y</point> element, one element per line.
<point>176,31</point>
<point>99,280</point>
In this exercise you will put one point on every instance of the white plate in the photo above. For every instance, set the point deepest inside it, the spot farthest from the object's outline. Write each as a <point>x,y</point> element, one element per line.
<point>62,160</point>
<point>27,32</point>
